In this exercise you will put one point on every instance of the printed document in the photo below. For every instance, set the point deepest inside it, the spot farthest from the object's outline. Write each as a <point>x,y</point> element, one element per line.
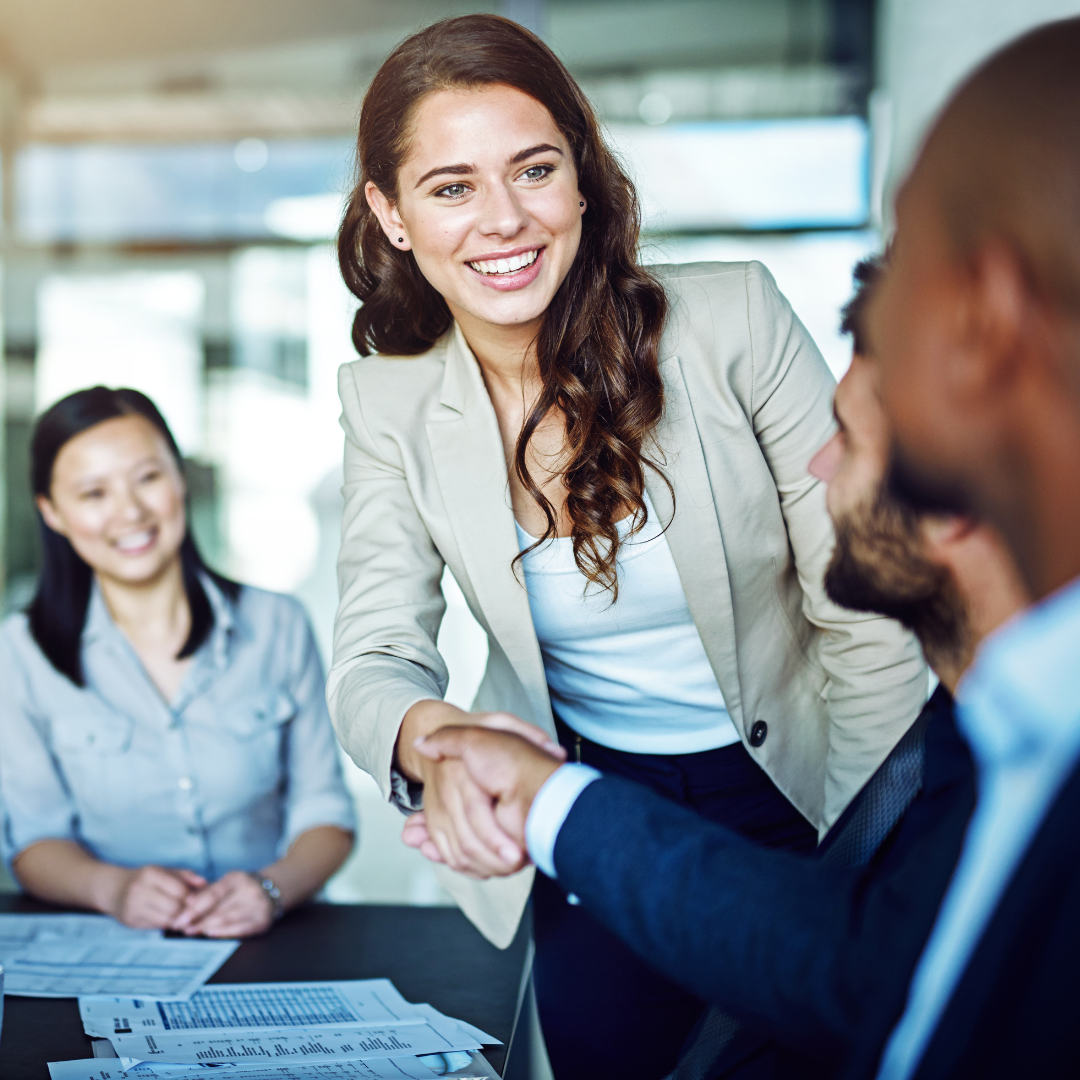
<point>435,1036</point>
<point>165,969</point>
<point>374,1069</point>
<point>19,931</point>
<point>251,1007</point>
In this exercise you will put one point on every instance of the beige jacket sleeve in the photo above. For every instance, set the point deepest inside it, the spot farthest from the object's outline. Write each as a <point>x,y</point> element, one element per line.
<point>391,602</point>
<point>877,676</point>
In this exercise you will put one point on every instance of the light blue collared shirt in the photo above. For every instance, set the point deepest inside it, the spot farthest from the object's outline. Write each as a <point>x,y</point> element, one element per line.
<point>223,778</point>
<point>1019,708</point>
<point>549,810</point>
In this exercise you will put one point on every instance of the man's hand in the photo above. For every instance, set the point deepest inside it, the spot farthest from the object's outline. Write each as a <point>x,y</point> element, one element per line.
<point>151,897</point>
<point>459,816</point>
<point>236,905</point>
<point>508,769</point>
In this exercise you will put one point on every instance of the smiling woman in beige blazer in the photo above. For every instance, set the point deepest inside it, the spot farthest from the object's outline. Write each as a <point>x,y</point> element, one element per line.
<point>528,368</point>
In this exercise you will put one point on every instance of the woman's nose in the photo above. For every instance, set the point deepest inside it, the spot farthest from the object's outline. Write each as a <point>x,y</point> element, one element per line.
<point>502,214</point>
<point>131,507</point>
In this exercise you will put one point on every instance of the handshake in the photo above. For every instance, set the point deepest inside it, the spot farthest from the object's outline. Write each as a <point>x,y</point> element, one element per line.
<point>479,784</point>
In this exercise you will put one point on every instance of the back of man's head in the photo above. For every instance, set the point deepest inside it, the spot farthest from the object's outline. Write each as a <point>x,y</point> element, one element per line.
<point>1005,158</point>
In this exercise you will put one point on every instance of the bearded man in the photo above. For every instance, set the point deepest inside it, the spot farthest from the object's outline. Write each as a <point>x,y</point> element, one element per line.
<point>807,954</point>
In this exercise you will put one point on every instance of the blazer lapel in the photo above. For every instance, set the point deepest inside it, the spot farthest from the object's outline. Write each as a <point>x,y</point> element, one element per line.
<point>694,533</point>
<point>467,452</point>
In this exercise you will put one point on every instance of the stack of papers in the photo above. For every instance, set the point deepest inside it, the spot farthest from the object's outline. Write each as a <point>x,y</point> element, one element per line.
<point>76,955</point>
<point>273,1031</point>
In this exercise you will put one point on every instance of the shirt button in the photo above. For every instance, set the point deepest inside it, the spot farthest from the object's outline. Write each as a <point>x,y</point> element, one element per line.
<point>185,783</point>
<point>758,733</point>
<point>192,831</point>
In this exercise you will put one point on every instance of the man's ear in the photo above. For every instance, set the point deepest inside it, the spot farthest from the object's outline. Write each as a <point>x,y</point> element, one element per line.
<point>942,531</point>
<point>388,217</point>
<point>995,316</point>
<point>48,512</point>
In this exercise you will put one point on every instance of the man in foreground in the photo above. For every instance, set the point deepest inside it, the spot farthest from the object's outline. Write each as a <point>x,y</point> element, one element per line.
<point>803,951</point>
<point>977,328</point>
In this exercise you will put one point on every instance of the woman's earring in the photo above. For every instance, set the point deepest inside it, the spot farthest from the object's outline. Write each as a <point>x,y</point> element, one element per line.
<point>401,239</point>
<point>581,204</point>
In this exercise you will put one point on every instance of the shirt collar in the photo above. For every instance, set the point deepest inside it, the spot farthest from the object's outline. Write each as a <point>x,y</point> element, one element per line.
<point>1022,695</point>
<point>100,626</point>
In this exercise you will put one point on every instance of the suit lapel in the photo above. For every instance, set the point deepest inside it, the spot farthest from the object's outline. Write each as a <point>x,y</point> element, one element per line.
<point>467,452</point>
<point>694,534</point>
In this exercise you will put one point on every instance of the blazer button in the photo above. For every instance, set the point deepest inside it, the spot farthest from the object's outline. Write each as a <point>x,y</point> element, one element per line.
<point>758,733</point>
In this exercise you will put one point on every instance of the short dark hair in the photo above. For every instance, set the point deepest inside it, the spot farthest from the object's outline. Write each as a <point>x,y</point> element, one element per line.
<point>57,613</point>
<point>866,275</point>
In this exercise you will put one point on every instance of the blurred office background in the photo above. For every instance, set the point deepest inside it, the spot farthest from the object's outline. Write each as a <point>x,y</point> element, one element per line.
<point>171,176</point>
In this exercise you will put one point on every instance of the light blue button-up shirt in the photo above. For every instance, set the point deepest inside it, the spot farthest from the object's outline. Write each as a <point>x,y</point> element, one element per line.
<point>1019,708</point>
<point>223,778</point>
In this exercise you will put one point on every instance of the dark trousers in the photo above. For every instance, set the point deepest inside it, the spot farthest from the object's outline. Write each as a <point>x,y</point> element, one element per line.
<point>604,1012</point>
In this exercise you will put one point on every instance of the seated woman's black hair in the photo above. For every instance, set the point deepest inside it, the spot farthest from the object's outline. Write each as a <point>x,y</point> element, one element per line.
<point>57,614</point>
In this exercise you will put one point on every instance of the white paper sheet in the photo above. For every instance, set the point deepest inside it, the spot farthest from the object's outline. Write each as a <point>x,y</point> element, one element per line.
<point>17,932</point>
<point>374,1069</point>
<point>251,1007</point>
<point>167,969</point>
<point>471,1030</point>
<point>435,1035</point>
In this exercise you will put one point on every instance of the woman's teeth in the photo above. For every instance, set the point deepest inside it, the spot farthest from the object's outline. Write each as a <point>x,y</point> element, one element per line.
<point>506,266</point>
<point>135,541</point>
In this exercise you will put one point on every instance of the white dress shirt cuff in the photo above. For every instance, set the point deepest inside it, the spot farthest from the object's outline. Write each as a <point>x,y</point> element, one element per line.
<point>549,810</point>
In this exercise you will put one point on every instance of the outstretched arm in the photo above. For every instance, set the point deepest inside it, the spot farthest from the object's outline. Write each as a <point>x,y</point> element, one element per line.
<point>762,933</point>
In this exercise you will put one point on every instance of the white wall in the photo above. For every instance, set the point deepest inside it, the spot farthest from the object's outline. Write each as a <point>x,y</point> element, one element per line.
<point>927,47</point>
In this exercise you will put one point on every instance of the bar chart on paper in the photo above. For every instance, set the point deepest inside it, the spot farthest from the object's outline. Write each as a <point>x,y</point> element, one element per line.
<point>252,1007</point>
<point>434,1036</point>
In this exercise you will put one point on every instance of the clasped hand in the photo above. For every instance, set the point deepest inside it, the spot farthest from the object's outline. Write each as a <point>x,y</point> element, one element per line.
<point>479,783</point>
<point>152,897</point>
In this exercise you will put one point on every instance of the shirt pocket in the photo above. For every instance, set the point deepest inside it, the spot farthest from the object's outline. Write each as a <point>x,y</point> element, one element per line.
<point>81,734</point>
<point>265,712</point>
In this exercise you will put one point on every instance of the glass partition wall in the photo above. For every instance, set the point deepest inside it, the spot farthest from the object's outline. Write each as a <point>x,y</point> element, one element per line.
<point>196,263</point>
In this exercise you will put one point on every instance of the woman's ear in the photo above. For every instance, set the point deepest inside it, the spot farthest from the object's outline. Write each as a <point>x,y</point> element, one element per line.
<point>388,217</point>
<point>48,512</point>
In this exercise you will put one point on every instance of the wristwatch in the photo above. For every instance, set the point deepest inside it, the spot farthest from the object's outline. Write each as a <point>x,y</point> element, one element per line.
<point>273,892</point>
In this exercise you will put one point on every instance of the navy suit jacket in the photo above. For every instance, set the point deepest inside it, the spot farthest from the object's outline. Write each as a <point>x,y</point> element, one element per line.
<point>811,955</point>
<point>1014,1012</point>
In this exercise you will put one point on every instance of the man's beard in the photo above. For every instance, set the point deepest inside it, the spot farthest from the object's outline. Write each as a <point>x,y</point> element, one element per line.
<point>878,566</point>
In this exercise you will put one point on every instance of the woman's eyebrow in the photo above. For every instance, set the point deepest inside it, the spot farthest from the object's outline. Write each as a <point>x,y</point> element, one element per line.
<point>464,170</point>
<point>450,170</point>
<point>541,148</point>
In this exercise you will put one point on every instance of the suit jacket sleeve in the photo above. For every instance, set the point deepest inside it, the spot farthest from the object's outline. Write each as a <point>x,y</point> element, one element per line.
<point>391,602</point>
<point>803,951</point>
<point>877,677</point>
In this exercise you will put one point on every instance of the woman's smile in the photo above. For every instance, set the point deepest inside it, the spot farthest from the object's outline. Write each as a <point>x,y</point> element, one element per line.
<point>488,204</point>
<point>509,271</point>
<point>139,543</point>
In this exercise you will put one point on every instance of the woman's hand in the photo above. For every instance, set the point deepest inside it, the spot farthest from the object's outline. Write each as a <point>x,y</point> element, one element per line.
<point>151,897</point>
<point>236,905</point>
<point>459,816</point>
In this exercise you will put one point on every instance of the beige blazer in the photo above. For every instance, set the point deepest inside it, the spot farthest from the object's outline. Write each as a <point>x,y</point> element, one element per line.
<point>748,401</point>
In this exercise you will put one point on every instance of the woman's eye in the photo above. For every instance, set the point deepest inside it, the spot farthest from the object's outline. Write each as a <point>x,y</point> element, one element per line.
<point>537,172</point>
<point>151,476</point>
<point>452,191</point>
<point>93,493</point>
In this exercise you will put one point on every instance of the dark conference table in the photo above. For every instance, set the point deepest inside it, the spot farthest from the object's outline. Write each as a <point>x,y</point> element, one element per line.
<point>431,954</point>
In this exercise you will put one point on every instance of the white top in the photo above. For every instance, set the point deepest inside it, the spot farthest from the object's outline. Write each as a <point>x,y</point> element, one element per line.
<point>631,675</point>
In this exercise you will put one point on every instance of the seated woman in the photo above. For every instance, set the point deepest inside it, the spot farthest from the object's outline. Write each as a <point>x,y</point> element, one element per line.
<point>166,755</point>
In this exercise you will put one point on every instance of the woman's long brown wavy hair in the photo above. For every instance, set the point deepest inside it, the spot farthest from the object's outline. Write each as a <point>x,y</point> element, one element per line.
<point>598,344</point>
